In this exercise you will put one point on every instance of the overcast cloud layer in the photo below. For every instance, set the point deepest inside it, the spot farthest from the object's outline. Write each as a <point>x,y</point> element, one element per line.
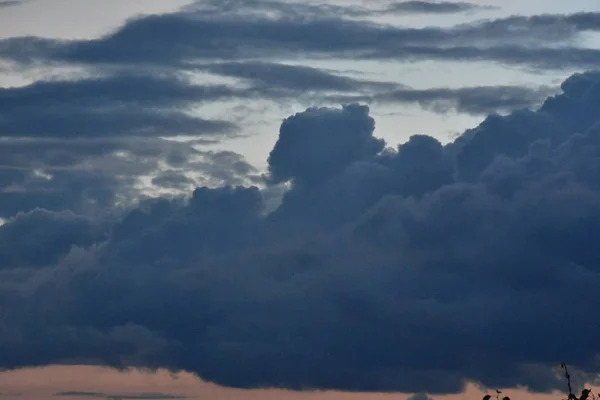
<point>350,263</point>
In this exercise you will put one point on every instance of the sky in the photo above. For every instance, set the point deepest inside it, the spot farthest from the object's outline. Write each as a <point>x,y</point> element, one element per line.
<point>238,199</point>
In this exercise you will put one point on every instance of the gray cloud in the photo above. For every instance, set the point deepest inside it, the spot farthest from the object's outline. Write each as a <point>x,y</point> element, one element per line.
<point>479,100</point>
<point>91,175</point>
<point>232,36</point>
<point>49,236</point>
<point>83,175</point>
<point>122,105</point>
<point>429,7</point>
<point>411,269</point>
<point>287,9</point>
<point>279,81</point>
<point>173,180</point>
<point>82,144</point>
<point>345,136</point>
<point>267,76</point>
<point>11,3</point>
<point>223,168</point>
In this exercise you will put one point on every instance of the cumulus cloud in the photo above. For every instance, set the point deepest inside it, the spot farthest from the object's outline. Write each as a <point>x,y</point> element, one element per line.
<point>320,142</point>
<point>84,144</point>
<point>413,268</point>
<point>40,237</point>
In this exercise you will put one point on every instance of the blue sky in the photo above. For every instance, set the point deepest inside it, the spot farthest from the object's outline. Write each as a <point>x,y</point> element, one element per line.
<point>384,196</point>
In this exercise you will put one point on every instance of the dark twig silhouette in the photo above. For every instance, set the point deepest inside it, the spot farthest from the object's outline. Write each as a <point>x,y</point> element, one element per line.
<point>585,393</point>
<point>568,376</point>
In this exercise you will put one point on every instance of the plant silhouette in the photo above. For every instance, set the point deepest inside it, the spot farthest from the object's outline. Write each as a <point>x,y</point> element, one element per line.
<point>585,393</point>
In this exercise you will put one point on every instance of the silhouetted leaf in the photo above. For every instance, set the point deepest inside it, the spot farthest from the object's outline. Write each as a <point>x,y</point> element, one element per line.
<point>584,394</point>
<point>486,397</point>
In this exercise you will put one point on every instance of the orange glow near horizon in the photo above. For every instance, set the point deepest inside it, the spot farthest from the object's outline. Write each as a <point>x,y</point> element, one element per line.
<point>44,383</point>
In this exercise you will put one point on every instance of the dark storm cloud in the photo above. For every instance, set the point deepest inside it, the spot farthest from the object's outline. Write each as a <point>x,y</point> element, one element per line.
<point>113,106</point>
<point>429,7</point>
<point>171,40</point>
<point>40,237</point>
<point>411,269</point>
<point>320,142</point>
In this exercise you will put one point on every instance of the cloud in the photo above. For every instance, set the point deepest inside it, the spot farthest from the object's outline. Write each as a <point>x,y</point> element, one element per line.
<point>110,396</point>
<point>479,100</point>
<point>173,180</point>
<point>266,76</point>
<point>296,10</point>
<point>117,106</point>
<point>41,238</point>
<point>429,7</point>
<point>84,175</point>
<point>92,175</point>
<point>10,3</point>
<point>86,143</point>
<point>345,136</point>
<point>83,144</point>
<point>277,81</point>
<point>545,41</point>
<point>226,168</point>
<point>410,269</point>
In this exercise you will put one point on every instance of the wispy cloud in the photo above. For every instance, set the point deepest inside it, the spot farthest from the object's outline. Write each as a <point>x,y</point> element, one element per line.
<point>154,41</point>
<point>480,100</point>
<point>430,7</point>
